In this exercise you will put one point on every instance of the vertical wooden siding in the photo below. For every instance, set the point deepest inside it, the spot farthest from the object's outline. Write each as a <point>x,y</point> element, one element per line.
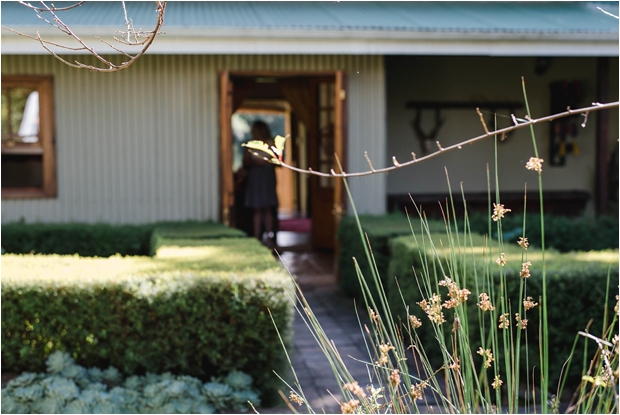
<point>141,145</point>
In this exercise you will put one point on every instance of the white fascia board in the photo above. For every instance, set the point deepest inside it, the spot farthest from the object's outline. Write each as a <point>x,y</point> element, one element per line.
<point>257,41</point>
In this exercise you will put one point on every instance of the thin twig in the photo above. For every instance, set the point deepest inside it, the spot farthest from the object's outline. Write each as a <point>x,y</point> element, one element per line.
<point>142,38</point>
<point>596,106</point>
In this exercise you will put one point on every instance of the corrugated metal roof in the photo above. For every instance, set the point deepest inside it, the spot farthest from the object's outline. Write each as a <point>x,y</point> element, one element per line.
<point>469,17</point>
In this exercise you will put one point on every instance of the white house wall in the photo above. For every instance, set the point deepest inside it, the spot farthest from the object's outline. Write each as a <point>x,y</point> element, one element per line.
<point>492,79</point>
<point>141,145</point>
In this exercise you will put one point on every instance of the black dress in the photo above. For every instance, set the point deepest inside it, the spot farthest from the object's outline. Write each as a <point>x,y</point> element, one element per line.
<point>261,187</point>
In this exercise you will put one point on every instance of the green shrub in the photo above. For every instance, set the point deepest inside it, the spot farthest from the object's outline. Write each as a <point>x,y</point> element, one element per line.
<point>576,286</point>
<point>191,230</point>
<point>380,230</point>
<point>100,240</point>
<point>562,233</point>
<point>71,388</point>
<point>104,240</point>
<point>199,308</point>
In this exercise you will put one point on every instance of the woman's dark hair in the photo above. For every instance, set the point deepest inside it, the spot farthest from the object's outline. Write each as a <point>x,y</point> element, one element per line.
<point>261,131</point>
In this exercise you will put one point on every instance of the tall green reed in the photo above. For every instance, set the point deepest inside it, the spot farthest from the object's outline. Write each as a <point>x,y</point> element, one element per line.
<point>405,378</point>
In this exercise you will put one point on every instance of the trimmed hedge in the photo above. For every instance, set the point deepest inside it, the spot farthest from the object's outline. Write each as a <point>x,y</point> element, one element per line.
<point>576,285</point>
<point>104,240</point>
<point>91,240</point>
<point>380,230</point>
<point>562,233</point>
<point>199,308</point>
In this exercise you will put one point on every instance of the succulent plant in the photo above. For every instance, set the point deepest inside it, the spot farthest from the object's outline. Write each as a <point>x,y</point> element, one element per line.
<point>70,388</point>
<point>77,406</point>
<point>218,394</point>
<point>112,375</point>
<point>60,388</point>
<point>238,380</point>
<point>134,382</point>
<point>239,400</point>
<point>203,408</point>
<point>74,371</point>
<point>28,393</point>
<point>58,361</point>
<point>24,379</point>
<point>95,374</point>
<point>48,405</point>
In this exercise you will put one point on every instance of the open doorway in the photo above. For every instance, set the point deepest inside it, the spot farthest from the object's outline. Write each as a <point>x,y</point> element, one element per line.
<point>309,109</point>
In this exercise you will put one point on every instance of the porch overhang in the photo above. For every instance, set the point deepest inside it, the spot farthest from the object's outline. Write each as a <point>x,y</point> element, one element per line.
<point>332,42</point>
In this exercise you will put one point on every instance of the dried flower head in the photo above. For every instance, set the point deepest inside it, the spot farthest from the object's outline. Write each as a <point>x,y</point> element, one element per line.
<point>432,308</point>
<point>293,396</point>
<point>529,304</point>
<point>395,378</point>
<point>457,296</point>
<point>497,383</point>
<point>488,356</point>
<point>485,303</point>
<point>349,407</point>
<point>525,269</point>
<point>385,348</point>
<point>417,391</point>
<point>521,322</point>
<point>355,389</point>
<point>456,365</point>
<point>373,315</point>
<point>504,321</point>
<point>415,322</point>
<point>498,212</point>
<point>501,260</point>
<point>534,164</point>
<point>523,243</point>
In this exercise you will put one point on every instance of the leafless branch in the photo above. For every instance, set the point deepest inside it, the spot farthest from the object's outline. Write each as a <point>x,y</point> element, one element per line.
<point>518,123</point>
<point>131,37</point>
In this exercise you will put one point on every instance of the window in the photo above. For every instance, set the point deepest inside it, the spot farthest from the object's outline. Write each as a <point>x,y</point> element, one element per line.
<point>28,153</point>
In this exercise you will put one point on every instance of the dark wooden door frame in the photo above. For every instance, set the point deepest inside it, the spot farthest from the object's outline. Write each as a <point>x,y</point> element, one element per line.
<point>226,83</point>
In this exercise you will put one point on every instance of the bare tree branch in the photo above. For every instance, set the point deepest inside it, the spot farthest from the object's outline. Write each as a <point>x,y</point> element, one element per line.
<point>131,37</point>
<point>518,123</point>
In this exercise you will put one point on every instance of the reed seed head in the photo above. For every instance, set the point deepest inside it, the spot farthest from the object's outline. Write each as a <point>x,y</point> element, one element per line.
<point>523,243</point>
<point>497,383</point>
<point>504,322</point>
<point>349,407</point>
<point>498,212</point>
<point>535,164</point>
<point>525,269</point>
<point>485,303</point>
<point>415,322</point>
<point>293,396</point>
<point>355,389</point>
<point>395,378</point>
<point>501,260</point>
<point>529,304</point>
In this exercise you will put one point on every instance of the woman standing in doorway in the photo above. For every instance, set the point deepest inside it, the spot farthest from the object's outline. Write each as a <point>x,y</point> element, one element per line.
<point>261,193</point>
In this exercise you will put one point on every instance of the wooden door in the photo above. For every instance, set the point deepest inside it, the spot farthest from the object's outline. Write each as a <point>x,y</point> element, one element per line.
<point>327,144</point>
<point>227,191</point>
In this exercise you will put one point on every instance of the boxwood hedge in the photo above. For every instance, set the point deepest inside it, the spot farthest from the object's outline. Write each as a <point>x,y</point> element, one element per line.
<point>576,285</point>
<point>199,307</point>
<point>380,230</point>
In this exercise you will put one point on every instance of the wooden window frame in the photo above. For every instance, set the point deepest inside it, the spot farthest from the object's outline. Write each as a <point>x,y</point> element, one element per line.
<point>45,86</point>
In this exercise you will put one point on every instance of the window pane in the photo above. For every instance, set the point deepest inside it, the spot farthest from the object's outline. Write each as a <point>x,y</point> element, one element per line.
<point>20,115</point>
<point>19,171</point>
